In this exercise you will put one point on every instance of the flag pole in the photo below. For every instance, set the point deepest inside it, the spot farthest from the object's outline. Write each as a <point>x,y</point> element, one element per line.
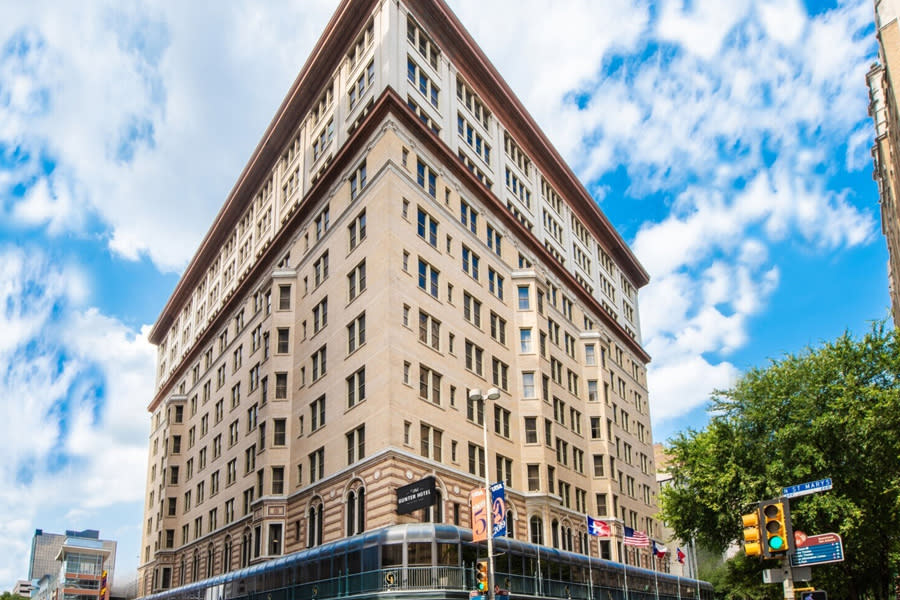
<point>590,572</point>
<point>655,578</point>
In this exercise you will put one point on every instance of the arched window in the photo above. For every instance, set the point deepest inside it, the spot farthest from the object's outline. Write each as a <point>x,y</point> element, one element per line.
<point>356,511</point>
<point>435,512</point>
<point>182,572</point>
<point>246,543</point>
<point>510,523</point>
<point>554,533</point>
<point>195,566</point>
<point>537,530</point>
<point>351,513</point>
<point>226,555</point>
<point>569,546</point>
<point>314,525</point>
<point>209,561</point>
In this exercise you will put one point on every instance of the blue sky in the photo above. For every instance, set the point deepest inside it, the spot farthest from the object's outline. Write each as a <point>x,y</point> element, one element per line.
<point>728,141</point>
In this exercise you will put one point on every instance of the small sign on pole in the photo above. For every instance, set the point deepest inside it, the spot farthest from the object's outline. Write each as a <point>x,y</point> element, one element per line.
<point>803,489</point>
<point>819,549</point>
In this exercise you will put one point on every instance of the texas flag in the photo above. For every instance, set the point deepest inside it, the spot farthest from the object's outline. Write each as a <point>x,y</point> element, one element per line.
<point>598,527</point>
<point>659,550</point>
<point>680,555</point>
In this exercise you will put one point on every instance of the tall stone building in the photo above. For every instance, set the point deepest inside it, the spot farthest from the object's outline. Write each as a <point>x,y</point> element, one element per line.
<point>883,108</point>
<point>403,233</point>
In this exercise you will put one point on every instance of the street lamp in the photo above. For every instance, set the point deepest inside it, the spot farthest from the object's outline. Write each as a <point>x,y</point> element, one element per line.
<point>476,396</point>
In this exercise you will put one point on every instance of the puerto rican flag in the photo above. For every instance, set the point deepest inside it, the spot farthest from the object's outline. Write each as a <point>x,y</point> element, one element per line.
<point>680,555</point>
<point>598,527</point>
<point>636,538</point>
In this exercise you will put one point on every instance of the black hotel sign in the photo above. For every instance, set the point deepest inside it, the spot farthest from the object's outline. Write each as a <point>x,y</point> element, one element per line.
<point>416,495</point>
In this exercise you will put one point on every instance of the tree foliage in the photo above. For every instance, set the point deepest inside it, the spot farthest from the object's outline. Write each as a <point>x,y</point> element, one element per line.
<point>832,411</point>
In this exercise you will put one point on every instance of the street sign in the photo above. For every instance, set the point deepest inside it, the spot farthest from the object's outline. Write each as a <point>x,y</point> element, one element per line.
<point>819,549</point>
<point>803,489</point>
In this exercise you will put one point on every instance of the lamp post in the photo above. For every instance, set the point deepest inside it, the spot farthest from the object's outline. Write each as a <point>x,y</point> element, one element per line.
<point>476,396</point>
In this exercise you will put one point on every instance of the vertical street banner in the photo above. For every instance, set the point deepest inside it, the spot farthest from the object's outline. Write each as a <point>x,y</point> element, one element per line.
<point>498,509</point>
<point>478,500</point>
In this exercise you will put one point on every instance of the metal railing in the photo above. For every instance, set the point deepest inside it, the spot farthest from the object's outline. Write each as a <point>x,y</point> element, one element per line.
<point>411,579</point>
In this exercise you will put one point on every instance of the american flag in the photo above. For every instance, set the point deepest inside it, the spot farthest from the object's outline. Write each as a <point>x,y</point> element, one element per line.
<point>636,538</point>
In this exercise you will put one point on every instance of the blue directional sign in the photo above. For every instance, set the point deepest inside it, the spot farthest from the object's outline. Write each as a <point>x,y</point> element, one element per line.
<point>806,488</point>
<point>819,549</point>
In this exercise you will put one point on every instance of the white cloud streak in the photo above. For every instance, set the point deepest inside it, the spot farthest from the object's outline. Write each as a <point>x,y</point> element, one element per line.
<point>74,388</point>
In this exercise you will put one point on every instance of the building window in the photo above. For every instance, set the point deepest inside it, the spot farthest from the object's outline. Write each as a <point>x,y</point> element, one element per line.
<point>320,315</point>
<point>426,178</point>
<point>356,280</point>
<point>470,262</point>
<point>476,460</point>
<point>500,374</point>
<point>317,465</point>
<point>495,283</point>
<point>501,421</point>
<point>317,413</point>
<point>357,181</point>
<point>534,478</point>
<point>320,269</point>
<point>277,480</point>
<point>314,525</point>
<point>468,217</point>
<point>279,434</point>
<point>498,328</point>
<point>284,297</point>
<point>523,295</point>
<point>431,442</point>
<point>429,384</point>
<point>531,435</point>
<point>319,366</point>
<point>471,309</point>
<point>427,227</point>
<point>474,358</point>
<point>356,512</point>
<point>356,388</point>
<point>429,330</point>
<point>417,77</point>
<point>356,444</point>
<point>356,333</point>
<point>283,345</point>
<point>475,410</point>
<point>428,278</point>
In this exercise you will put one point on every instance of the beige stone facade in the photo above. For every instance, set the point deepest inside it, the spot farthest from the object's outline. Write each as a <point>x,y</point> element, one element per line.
<point>402,234</point>
<point>883,107</point>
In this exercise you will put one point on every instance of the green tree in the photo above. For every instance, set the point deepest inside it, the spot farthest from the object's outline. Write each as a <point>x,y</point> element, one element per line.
<point>11,596</point>
<point>832,411</point>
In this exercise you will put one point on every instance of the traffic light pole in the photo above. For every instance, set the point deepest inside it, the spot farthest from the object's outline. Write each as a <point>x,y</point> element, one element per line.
<point>788,579</point>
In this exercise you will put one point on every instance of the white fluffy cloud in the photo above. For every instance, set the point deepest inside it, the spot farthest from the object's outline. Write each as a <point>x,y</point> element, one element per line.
<point>74,386</point>
<point>736,118</point>
<point>130,106</point>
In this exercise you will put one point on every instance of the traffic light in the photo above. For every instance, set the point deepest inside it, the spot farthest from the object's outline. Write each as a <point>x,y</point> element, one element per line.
<point>104,585</point>
<point>481,576</point>
<point>779,539</point>
<point>752,534</point>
